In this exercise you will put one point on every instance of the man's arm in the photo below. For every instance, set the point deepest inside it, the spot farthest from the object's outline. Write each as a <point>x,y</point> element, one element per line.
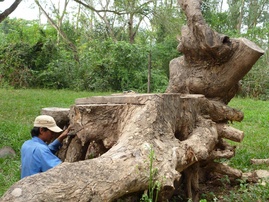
<point>57,143</point>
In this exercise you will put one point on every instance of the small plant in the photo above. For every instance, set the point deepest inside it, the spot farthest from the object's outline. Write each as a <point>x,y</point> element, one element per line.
<point>154,186</point>
<point>247,192</point>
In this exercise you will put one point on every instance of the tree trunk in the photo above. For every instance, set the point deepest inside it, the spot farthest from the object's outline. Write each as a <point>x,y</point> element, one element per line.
<point>8,11</point>
<point>109,157</point>
<point>60,32</point>
<point>213,64</point>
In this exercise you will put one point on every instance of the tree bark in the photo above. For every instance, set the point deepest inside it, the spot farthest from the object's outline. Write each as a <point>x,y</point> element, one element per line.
<point>213,64</point>
<point>8,11</point>
<point>259,161</point>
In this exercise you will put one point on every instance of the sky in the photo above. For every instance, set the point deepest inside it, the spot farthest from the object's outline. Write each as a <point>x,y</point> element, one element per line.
<point>22,11</point>
<point>26,9</point>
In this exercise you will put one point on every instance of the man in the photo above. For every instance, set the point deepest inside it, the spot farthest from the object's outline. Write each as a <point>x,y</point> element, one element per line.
<point>36,155</point>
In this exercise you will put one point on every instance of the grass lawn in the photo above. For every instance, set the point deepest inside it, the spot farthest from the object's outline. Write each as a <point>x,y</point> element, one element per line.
<point>18,108</point>
<point>256,129</point>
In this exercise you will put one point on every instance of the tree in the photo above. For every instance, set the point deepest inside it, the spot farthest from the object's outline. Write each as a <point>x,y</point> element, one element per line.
<point>8,11</point>
<point>58,26</point>
<point>121,13</point>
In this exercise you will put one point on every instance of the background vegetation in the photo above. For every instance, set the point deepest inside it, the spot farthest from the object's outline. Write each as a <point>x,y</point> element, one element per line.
<point>109,45</point>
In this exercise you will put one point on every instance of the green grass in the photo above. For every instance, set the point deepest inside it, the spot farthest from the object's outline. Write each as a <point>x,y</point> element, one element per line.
<point>18,108</point>
<point>255,126</point>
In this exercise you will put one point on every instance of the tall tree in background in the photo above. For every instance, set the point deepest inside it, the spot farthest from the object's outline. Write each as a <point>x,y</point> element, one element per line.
<point>120,16</point>
<point>57,24</point>
<point>257,12</point>
<point>8,11</point>
<point>135,13</point>
<point>236,8</point>
<point>166,19</point>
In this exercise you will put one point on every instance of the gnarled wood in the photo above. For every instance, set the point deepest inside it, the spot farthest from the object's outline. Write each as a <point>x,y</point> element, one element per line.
<point>127,132</point>
<point>212,64</point>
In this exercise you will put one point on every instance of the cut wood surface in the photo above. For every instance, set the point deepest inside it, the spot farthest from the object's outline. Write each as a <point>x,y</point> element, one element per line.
<point>60,115</point>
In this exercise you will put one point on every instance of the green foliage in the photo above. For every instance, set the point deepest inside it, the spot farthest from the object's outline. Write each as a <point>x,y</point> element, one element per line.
<point>19,30</point>
<point>26,49</point>
<point>15,62</point>
<point>246,192</point>
<point>104,64</point>
<point>163,53</point>
<point>154,186</point>
<point>116,66</point>
<point>20,61</point>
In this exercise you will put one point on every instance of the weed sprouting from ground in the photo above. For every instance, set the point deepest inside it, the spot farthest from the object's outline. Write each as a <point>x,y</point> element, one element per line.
<point>154,186</point>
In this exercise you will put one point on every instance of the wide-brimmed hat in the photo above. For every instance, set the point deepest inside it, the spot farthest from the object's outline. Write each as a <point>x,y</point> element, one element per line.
<point>46,121</point>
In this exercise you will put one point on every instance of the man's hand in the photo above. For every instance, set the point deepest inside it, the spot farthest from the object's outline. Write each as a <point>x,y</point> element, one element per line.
<point>64,134</point>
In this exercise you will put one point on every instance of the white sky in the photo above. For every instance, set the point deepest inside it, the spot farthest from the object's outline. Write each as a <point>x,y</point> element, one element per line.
<point>22,11</point>
<point>27,9</point>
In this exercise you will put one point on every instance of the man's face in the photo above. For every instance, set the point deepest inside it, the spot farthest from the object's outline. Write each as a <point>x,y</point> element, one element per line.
<point>50,135</point>
<point>46,135</point>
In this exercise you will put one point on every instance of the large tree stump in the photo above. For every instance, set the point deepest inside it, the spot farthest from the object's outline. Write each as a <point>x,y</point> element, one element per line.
<point>186,127</point>
<point>182,134</point>
<point>212,64</point>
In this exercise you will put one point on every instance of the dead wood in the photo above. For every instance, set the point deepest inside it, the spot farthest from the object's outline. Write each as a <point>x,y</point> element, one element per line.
<point>212,64</point>
<point>60,115</point>
<point>259,161</point>
<point>173,125</point>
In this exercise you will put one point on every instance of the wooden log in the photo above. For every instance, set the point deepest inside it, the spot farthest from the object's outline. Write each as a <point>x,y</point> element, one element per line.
<point>230,133</point>
<point>60,115</point>
<point>222,154</point>
<point>225,170</point>
<point>220,112</point>
<point>259,161</point>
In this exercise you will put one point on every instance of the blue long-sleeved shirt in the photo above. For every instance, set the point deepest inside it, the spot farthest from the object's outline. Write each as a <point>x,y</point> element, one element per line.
<point>37,156</point>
